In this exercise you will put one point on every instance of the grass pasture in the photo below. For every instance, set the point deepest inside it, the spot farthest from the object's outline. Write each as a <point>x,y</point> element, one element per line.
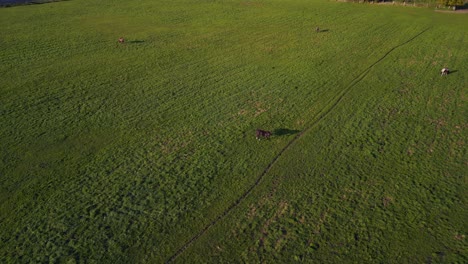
<point>145,152</point>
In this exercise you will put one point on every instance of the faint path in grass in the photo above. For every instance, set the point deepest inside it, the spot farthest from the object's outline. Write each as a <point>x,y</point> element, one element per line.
<point>320,116</point>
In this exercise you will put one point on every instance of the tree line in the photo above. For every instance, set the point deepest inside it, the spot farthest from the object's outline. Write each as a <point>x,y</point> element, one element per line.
<point>438,3</point>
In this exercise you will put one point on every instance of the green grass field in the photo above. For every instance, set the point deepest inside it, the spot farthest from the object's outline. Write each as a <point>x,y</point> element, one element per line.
<point>146,151</point>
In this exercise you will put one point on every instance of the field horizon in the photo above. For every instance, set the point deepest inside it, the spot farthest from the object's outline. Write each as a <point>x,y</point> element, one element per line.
<point>145,152</point>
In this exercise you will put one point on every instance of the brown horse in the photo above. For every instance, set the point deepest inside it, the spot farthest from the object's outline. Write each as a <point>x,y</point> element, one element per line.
<point>262,134</point>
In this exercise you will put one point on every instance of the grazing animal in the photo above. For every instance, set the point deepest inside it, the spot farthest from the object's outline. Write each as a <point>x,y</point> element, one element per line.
<point>262,134</point>
<point>317,29</point>
<point>121,40</point>
<point>444,71</point>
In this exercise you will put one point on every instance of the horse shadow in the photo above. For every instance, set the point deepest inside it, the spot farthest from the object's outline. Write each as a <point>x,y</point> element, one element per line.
<point>323,30</point>
<point>136,41</point>
<point>454,71</point>
<point>285,132</point>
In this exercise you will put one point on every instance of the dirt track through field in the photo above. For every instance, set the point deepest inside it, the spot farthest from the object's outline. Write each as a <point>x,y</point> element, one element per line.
<point>321,115</point>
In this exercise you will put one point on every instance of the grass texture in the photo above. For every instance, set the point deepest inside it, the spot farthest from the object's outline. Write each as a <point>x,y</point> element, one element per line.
<point>145,152</point>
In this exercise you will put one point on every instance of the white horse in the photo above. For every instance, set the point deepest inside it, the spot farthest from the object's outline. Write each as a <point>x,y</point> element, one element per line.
<point>444,71</point>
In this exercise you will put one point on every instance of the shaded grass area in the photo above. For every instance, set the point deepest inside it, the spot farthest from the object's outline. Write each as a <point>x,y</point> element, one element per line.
<point>123,152</point>
<point>11,3</point>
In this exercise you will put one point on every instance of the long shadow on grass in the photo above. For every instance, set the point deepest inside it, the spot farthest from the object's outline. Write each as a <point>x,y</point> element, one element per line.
<point>285,132</point>
<point>136,41</point>
<point>12,3</point>
<point>320,116</point>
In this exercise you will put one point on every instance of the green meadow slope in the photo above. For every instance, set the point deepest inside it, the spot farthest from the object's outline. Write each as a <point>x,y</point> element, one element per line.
<point>145,152</point>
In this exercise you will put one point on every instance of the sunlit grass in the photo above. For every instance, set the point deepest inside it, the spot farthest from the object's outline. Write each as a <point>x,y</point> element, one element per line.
<point>124,153</point>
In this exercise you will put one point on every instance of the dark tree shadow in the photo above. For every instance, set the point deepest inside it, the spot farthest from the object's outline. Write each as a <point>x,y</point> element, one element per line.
<point>465,6</point>
<point>285,132</point>
<point>12,3</point>
<point>136,41</point>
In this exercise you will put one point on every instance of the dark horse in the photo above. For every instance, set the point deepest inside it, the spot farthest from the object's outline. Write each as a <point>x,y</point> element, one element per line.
<point>262,134</point>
